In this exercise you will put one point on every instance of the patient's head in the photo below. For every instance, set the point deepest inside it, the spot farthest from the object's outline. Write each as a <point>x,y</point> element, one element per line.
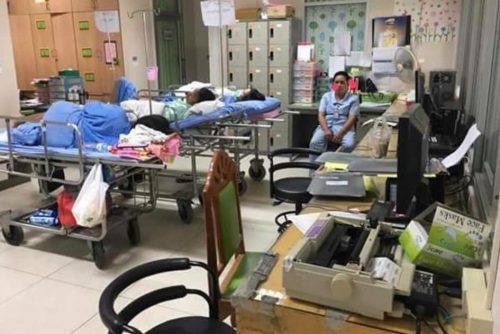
<point>251,94</point>
<point>200,95</point>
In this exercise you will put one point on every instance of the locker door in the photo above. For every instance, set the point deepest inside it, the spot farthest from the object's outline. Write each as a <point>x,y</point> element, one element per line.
<point>279,78</point>
<point>85,37</point>
<point>257,55</point>
<point>106,4</point>
<point>237,33</point>
<point>279,55</point>
<point>282,94</point>
<point>279,32</point>
<point>41,28</point>
<point>83,5</point>
<point>257,78</point>
<point>24,52</point>
<point>65,47</point>
<point>18,7</point>
<point>237,76</point>
<point>257,32</point>
<point>237,55</point>
<point>280,134</point>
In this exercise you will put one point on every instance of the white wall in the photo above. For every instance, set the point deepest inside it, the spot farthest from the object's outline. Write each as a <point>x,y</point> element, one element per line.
<point>496,305</point>
<point>9,94</point>
<point>133,41</point>
<point>195,42</point>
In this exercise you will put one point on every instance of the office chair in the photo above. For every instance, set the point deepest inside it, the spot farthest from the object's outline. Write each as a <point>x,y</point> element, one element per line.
<point>225,243</point>
<point>119,322</point>
<point>290,189</point>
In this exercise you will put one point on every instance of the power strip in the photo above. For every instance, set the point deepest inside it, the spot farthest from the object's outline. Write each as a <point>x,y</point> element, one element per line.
<point>479,318</point>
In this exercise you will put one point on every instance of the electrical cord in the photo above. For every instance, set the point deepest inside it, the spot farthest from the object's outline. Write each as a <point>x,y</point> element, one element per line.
<point>440,324</point>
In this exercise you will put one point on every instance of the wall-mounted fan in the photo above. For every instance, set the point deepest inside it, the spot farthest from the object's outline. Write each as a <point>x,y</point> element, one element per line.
<point>405,64</point>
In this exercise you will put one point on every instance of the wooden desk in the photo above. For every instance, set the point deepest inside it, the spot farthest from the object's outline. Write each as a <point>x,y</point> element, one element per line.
<point>292,316</point>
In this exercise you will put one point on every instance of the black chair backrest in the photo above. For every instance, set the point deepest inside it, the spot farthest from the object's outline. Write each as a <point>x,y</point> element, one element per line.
<point>118,323</point>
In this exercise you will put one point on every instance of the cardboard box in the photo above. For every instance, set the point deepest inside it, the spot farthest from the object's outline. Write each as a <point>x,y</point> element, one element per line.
<point>452,242</point>
<point>280,11</point>
<point>248,14</point>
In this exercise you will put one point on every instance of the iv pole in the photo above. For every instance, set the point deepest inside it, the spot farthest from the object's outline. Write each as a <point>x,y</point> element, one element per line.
<point>144,12</point>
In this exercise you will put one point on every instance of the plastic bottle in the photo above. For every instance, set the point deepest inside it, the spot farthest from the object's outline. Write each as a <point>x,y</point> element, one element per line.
<point>97,147</point>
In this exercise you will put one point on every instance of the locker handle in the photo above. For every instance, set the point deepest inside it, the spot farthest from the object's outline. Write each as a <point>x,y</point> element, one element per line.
<point>250,55</point>
<point>271,77</point>
<point>230,33</point>
<point>230,55</point>
<point>231,77</point>
<point>271,55</point>
<point>271,33</point>
<point>250,77</point>
<point>250,33</point>
<point>94,4</point>
<point>47,5</point>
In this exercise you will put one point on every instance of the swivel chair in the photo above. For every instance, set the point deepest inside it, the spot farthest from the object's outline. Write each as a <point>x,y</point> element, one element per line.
<point>119,322</point>
<point>290,189</point>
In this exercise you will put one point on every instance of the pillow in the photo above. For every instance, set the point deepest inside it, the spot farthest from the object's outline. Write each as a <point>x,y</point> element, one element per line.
<point>205,107</point>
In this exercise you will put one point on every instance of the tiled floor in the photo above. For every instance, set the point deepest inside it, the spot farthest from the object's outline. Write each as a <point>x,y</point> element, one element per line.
<point>50,285</point>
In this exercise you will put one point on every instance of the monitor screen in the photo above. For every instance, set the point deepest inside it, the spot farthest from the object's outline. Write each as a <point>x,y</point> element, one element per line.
<point>413,151</point>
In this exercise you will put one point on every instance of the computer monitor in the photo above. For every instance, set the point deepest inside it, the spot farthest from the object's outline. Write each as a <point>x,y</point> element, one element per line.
<point>413,151</point>
<point>419,87</point>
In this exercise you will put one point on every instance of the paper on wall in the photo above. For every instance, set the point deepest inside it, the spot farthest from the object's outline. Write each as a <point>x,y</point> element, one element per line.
<point>383,54</point>
<point>342,43</point>
<point>107,21</point>
<point>210,11</point>
<point>335,64</point>
<point>359,58</point>
<point>455,157</point>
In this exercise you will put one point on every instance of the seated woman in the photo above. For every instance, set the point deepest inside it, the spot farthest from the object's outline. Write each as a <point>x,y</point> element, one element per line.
<point>337,115</point>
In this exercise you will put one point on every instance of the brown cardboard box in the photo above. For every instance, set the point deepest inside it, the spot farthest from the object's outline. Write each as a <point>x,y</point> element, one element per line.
<point>248,14</point>
<point>280,11</point>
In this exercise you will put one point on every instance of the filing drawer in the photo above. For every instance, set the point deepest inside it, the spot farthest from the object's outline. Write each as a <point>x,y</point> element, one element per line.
<point>257,55</point>
<point>237,55</point>
<point>257,32</point>
<point>257,78</point>
<point>279,32</point>
<point>237,34</point>
<point>279,55</point>
<point>237,76</point>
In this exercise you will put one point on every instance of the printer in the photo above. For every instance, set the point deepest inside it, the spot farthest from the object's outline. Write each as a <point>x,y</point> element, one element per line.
<point>352,264</point>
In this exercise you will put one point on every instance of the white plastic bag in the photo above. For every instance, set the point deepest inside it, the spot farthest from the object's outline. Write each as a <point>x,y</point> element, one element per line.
<point>89,209</point>
<point>380,137</point>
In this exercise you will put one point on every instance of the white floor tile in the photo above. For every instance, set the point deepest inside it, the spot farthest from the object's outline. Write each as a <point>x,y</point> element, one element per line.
<point>13,282</point>
<point>33,261</point>
<point>48,307</point>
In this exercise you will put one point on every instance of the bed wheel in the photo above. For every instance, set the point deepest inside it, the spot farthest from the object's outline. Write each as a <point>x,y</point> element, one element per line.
<point>14,235</point>
<point>133,232</point>
<point>242,186</point>
<point>257,171</point>
<point>98,255</point>
<point>185,210</point>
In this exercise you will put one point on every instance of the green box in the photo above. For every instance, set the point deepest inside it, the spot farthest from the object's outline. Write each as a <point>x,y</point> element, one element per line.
<point>40,24</point>
<point>379,97</point>
<point>87,52</point>
<point>84,25</point>
<point>45,53</point>
<point>89,77</point>
<point>451,241</point>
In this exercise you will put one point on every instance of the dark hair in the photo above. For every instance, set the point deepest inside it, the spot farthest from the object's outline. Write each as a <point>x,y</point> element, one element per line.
<point>254,94</point>
<point>155,122</point>
<point>342,73</point>
<point>205,94</point>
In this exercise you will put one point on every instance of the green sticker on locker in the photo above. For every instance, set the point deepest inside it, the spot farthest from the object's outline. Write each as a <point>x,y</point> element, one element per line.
<point>40,24</point>
<point>84,25</point>
<point>44,53</point>
<point>89,76</point>
<point>87,52</point>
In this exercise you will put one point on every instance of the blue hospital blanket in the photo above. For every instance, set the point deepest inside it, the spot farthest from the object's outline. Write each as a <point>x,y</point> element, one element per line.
<point>242,109</point>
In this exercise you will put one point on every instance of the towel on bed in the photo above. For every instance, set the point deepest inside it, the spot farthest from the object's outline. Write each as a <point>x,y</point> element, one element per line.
<point>140,108</point>
<point>103,123</point>
<point>61,135</point>
<point>27,134</point>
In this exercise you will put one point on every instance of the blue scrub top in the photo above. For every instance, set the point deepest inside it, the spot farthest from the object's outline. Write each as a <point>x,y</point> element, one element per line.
<point>337,111</point>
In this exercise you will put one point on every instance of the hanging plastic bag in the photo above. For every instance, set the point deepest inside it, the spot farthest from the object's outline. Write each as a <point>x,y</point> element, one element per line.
<point>380,137</point>
<point>89,209</point>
